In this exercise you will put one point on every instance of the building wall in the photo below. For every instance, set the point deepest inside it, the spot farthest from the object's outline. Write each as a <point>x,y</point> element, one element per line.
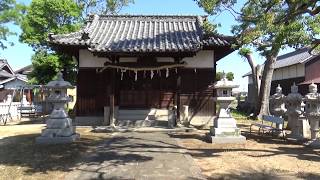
<point>289,72</point>
<point>203,59</point>
<point>313,69</point>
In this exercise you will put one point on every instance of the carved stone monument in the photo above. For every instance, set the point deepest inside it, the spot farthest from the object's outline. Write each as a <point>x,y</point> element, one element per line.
<point>59,126</point>
<point>312,112</point>
<point>225,129</point>
<point>277,106</point>
<point>294,111</point>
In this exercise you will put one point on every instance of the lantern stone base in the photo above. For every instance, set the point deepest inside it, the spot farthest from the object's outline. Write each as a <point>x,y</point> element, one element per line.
<point>58,131</point>
<point>226,136</point>
<point>57,140</point>
<point>313,143</point>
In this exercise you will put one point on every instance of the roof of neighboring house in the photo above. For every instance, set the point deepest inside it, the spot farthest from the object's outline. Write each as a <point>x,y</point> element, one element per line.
<point>4,73</point>
<point>25,70</point>
<point>4,63</point>
<point>296,57</point>
<point>142,33</point>
<point>18,77</point>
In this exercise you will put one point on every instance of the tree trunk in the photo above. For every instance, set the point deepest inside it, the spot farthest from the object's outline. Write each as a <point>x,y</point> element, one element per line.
<point>255,79</point>
<point>264,94</point>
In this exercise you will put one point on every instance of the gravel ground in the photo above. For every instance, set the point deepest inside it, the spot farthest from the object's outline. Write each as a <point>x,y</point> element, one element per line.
<point>259,158</point>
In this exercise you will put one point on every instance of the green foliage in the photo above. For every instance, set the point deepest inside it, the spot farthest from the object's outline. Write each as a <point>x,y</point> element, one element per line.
<point>229,76</point>
<point>244,51</point>
<point>270,25</point>
<point>9,12</point>
<point>214,7</point>
<point>209,28</point>
<point>45,67</point>
<point>59,17</point>
<point>48,16</point>
<point>102,6</point>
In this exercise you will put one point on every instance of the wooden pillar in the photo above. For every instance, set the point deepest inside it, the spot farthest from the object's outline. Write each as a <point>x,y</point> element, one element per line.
<point>214,90</point>
<point>112,94</point>
<point>178,89</point>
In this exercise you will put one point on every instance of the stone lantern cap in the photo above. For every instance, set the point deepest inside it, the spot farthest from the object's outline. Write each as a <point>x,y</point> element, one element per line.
<point>224,83</point>
<point>60,83</point>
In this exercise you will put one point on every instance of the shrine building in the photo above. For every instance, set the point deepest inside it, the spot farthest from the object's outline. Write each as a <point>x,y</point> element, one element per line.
<point>142,62</point>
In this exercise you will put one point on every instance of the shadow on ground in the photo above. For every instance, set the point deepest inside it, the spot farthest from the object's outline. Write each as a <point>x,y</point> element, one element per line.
<point>21,151</point>
<point>253,174</point>
<point>281,148</point>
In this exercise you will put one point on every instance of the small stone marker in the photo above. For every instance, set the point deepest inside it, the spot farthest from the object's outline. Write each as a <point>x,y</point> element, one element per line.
<point>225,128</point>
<point>59,128</point>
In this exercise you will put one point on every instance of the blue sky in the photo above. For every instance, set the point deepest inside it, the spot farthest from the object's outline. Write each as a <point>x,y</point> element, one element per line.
<point>20,54</point>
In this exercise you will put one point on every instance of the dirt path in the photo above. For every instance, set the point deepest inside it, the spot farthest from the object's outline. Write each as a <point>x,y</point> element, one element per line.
<point>135,155</point>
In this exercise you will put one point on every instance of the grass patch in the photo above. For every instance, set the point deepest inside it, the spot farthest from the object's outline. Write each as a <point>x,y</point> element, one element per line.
<point>21,157</point>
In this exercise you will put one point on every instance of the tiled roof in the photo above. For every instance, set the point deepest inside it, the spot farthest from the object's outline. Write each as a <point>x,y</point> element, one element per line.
<point>140,33</point>
<point>296,57</point>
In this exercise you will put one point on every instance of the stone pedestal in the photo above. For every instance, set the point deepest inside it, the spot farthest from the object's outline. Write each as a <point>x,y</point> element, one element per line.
<point>171,119</point>
<point>225,130</point>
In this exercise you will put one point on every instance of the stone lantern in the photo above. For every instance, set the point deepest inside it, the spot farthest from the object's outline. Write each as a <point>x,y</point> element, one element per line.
<point>59,126</point>
<point>312,112</point>
<point>225,128</point>
<point>294,104</point>
<point>277,106</point>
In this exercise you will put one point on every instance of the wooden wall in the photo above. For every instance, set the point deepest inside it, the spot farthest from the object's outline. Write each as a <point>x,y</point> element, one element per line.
<point>313,69</point>
<point>160,92</point>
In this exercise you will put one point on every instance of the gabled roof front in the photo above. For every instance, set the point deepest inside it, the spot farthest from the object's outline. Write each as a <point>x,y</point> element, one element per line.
<point>3,64</point>
<point>141,33</point>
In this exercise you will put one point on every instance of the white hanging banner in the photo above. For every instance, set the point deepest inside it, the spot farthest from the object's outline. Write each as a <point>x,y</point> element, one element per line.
<point>122,71</point>
<point>136,75</point>
<point>167,72</point>
<point>151,74</point>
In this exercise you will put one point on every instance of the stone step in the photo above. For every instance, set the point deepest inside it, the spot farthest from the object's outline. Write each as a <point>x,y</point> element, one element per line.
<point>132,117</point>
<point>136,111</point>
<point>141,123</point>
